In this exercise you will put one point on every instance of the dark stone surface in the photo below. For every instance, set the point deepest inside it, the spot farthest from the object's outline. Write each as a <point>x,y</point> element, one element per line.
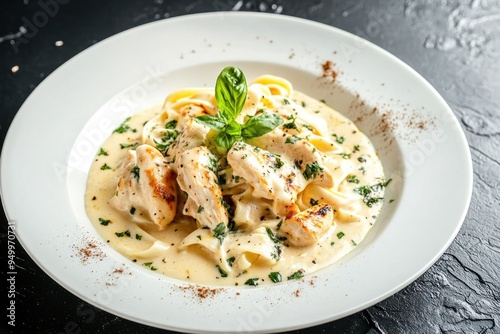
<point>455,45</point>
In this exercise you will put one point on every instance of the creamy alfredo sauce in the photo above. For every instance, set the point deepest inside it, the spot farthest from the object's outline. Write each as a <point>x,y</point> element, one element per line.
<point>158,250</point>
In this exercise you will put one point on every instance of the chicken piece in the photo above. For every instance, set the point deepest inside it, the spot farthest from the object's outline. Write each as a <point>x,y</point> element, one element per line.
<point>299,150</point>
<point>192,135</point>
<point>269,175</point>
<point>305,228</point>
<point>196,175</point>
<point>146,187</point>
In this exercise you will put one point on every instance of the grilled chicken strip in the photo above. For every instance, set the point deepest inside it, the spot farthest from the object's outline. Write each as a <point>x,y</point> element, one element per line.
<point>146,187</point>
<point>307,227</point>
<point>269,175</point>
<point>300,151</point>
<point>196,175</point>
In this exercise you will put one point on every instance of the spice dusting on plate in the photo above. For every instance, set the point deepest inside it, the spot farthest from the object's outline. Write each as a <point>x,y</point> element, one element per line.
<point>88,251</point>
<point>202,292</point>
<point>328,71</point>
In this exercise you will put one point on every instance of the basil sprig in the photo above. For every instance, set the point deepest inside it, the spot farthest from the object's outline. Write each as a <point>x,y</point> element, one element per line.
<point>230,94</point>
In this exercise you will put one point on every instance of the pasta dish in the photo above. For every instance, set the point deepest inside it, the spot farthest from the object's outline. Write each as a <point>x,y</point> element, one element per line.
<point>237,184</point>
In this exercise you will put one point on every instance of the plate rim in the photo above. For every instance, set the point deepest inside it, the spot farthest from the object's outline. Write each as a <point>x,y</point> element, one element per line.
<point>248,14</point>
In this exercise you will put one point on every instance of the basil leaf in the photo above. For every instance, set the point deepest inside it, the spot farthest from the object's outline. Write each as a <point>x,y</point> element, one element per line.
<point>233,128</point>
<point>230,92</point>
<point>225,140</point>
<point>260,125</point>
<point>212,122</point>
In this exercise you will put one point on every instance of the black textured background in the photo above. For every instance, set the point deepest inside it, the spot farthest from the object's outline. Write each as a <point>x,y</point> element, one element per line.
<point>455,45</point>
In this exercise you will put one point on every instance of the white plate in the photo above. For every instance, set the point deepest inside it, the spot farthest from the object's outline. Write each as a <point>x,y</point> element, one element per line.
<point>57,131</point>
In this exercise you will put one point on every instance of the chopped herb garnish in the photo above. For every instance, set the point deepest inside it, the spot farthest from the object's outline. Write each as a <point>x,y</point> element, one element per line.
<point>271,235</point>
<point>338,139</point>
<point>222,272</point>
<point>307,126</point>
<point>292,140</point>
<point>219,232</point>
<point>361,159</point>
<point>102,152</point>
<point>352,179</point>
<point>252,281</point>
<point>296,275</point>
<point>171,125</point>
<point>132,210</point>
<point>279,224</point>
<point>123,234</point>
<point>200,209</point>
<point>275,277</point>
<point>292,124</point>
<point>149,265</point>
<point>124,127</point>
<point>345,155</point>
<point>312,170</point>
<point>104,222</point>
<point>125,145</point>
<point>138,236</point>
<point>367,192</point>
<point>340,235</point>
<point>313,202</point>
<point>356,148</point>
<point>230,261</point>
<point>105,167</point>
<point>135,172</point>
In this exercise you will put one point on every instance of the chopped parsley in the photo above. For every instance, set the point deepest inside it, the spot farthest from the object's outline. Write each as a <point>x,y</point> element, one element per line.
<point>292,139</point>
<point>296,275</point>
<point>292,124</point>
<point>104,222</point>
<point>135,172</point>
<point>219,232</point>
<point>369,192</point>
<point>124,127</point>
<point>138,236</point>
<point>102,152</point>
<point>345,155</point>
<point>127,145</point>
<point>105,167</point>
<point>272,236</point>
<point>230,261</point>
<point>123,234</point>
<point>312,170</point>
<point>200,209</point>
<point>171,125</point>
<point>252,281</point>
<point>340,235</point>
<point>222,272</point>
<point>149,265</point>
<point>313,202</point>
<point>338,139</point>
<point>352,179</point>
<point>275,277</point>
